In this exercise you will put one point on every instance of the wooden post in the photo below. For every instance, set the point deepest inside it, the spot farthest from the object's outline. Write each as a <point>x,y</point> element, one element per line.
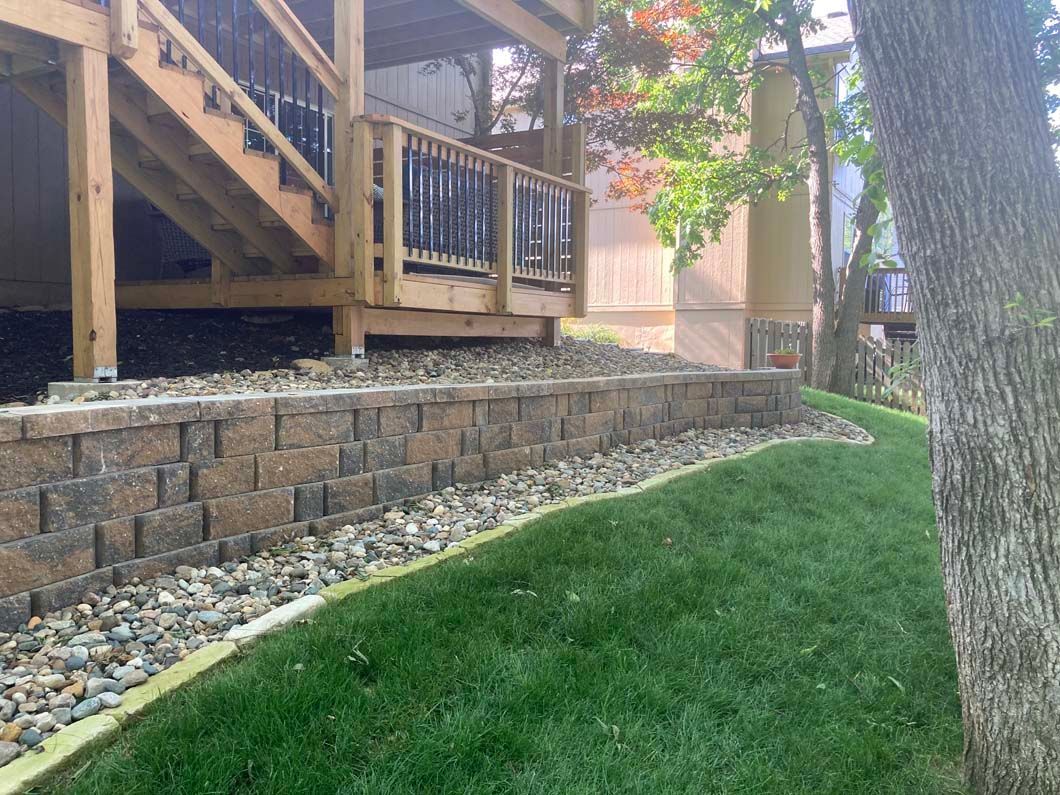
<point>577,153</point>
<point>505,238</point>
<point>124,28</point>
<point>350,321</point>
<point>220,282</point>
<point>349,106</point>
<point>552,94</point>
<point>393,204</point>
<point>581,253</point>
<point>91,215</point>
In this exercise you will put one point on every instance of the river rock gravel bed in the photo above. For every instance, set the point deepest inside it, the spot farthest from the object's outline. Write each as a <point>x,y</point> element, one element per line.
<point>225,352</point>
<point>486,362</point>
<point>68,665</point>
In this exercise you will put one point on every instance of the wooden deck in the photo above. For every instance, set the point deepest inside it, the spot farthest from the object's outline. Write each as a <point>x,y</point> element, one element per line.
<point>888,298</point>
<point>247,129</point>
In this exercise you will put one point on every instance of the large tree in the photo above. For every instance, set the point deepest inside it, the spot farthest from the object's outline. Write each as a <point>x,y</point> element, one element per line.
<point>969,156</point>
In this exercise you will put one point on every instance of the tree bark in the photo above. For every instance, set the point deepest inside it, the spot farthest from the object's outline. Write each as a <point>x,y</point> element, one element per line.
<point>852,299</point>
<point>976,194</point>
<point>818,182</point>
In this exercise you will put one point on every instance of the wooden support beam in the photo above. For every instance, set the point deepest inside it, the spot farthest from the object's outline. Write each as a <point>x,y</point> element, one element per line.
<point>348,325</point>
<point>124,28</point>
<point>220,283</point>
<point>15,41</point>
<point>553,332</point>
<point>505,237</point>
<point>552,77</point>
<point>580,233</point>
<point>393,226</point>
<point>349,106</point>
<point>85,26</point>
<point>437,293</point>
<point>516,21</point>
<point>578,12</point>
<point>577,154</point>
<point>363,211</point>
<point>353,165</point>
<point>91,215</point>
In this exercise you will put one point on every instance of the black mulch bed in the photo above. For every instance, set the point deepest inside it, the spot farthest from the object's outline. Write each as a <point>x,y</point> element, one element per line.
<point>36,347</point>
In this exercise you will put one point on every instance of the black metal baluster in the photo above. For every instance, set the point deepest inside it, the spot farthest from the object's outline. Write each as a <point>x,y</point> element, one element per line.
<point>419,192</point>
<point>198,21</point>
<point>461,200</point>
<point>250,47</point>
<point>321,157</point>
<point>465,242</point>
<point>235,40</point>
<point>267,98</point>
<point>219,49</point>
<point>546,228</point>
<point>306,132</point>
<point>430,197</point>
<point>557,231</point>
<point>282,113</point>
<point>292,108</point>
<point>409,203</point>
<point>491,215</point>
<point>473,212</point>
<point>451,241</point>
<point>514,209</point>
<point>329,129</point>
<point>480,210</point>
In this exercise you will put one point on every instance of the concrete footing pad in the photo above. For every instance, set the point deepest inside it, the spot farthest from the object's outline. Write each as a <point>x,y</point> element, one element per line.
<point>346,362</point>
<point>68,390</point>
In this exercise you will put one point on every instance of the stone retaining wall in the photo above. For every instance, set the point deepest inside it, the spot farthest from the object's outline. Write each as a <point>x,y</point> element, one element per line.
<point>101,493</point>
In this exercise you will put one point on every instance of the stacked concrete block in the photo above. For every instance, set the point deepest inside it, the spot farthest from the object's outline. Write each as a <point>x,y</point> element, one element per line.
<point>103,493</point>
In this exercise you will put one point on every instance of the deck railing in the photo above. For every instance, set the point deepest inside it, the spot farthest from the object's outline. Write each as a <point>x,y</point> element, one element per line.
<point>454,207</point>
<point>260,63</point>
<point>888,296</point>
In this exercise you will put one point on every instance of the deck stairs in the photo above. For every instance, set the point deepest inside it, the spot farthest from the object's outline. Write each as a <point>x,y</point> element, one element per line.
<point>173,142</point>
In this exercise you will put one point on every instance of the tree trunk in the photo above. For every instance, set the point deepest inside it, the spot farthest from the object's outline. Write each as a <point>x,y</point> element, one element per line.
<point>820,190</point>
<point>976,194</point>
<point>852,299</point>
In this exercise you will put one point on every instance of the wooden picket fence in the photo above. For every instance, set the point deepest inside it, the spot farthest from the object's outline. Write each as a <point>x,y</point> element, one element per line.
<point>875,360</point>
<point>766,336</point>
<point>875,363</point>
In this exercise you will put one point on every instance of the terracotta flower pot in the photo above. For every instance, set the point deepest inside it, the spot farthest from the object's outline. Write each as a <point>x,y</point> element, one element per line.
<point>784,361</point>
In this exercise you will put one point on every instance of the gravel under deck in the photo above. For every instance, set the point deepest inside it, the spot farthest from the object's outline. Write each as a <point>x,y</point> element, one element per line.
<point>220,352</point>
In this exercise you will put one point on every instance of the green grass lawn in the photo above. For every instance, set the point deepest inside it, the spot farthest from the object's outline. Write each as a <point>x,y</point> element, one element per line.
<point>790,639</point>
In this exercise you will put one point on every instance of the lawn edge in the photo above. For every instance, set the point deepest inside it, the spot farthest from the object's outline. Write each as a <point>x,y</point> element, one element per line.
<point>65,747</point>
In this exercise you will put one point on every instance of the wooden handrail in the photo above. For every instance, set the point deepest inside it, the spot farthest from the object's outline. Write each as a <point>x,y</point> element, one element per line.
<point>423,132</point>
<point>215,73</point>
<point>283,20</point>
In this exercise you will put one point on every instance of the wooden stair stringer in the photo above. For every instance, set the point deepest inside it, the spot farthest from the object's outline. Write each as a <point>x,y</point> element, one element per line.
<point>184,94</point>
<point>157,187</point>
<point>202,178</point>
